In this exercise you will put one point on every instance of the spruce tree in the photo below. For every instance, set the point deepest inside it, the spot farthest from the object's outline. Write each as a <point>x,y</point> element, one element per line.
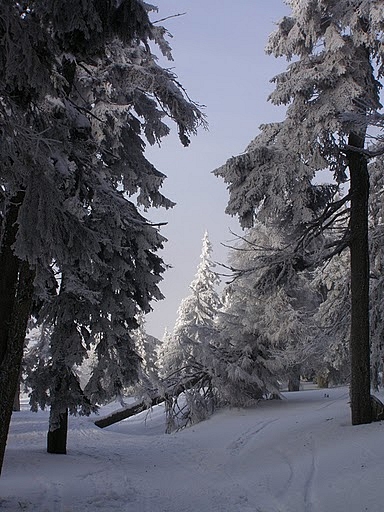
<point>188,350</point>
<point>81,95</point>
<point>330,89</point>
<point>264,328</point>
<point>196,316</point>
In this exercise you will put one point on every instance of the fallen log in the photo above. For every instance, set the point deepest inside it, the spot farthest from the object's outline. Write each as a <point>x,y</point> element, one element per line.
<point>172,391</point>
<point>127,412</point>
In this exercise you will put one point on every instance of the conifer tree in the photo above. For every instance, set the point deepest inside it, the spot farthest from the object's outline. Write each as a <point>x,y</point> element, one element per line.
<point>331,329</point>
<point>147,348</point>
<point>263,329</point>
<point>196,316</point>
<point>332,338</point>
<point>188,349</point>
<point>330,88</point>
<point>81,94</point>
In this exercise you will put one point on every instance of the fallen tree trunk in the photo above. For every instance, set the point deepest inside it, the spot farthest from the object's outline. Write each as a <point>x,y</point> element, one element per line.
<point>127,412</point>
<point>158,398</point>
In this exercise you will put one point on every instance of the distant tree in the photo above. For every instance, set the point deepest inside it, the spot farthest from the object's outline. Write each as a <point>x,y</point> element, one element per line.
<point>188,348</point>
<point>264,329</point>
<point>331,329</point>
<point>196,316</point>
<point>147,348</point>
<point>163,351</point>
<point>80,95</point>
<point>331,88</point>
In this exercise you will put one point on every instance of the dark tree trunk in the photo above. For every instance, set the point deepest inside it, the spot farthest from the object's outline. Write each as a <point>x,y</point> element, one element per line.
<point>16,399</point>
<point>11,363</point>
<point>16,292</point>
<point>9,265</point>
<point>294,383</point>
<point>57,439</point>
<point>294,379</point>
<point>359,250</point>
<point>322,380</point>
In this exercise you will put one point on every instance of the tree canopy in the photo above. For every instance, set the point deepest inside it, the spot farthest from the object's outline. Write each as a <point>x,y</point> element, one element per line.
<point>331,89</point>
<point>81,95</point>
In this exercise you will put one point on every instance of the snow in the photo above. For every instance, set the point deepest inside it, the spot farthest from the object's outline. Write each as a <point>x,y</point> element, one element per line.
<point>300,454</point>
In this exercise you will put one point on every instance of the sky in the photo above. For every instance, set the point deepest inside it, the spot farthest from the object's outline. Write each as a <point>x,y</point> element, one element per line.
<point>299,454</point>
<point>218,50</point>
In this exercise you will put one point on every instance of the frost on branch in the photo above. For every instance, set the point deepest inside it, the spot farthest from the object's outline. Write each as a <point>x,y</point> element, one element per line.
<point>81,95</point>
<point>188,352</point>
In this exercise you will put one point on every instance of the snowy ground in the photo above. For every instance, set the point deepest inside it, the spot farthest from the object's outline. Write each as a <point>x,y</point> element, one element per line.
<point>295,455</point>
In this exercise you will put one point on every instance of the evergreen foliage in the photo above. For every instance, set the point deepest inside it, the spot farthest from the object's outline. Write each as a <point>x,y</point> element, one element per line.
<point>331,89</point>
<point>188,349</point>
<point>81,94</point>
<point>264,329</point>
<point>196,317</point>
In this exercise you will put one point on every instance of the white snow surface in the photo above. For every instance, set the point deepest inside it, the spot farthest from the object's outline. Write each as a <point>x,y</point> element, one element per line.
<point>300,454</point>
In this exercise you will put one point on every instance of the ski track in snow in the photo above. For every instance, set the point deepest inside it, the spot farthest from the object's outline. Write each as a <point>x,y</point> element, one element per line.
<point>310,478</point>
<point>249,434</point>
<point>284,456</point>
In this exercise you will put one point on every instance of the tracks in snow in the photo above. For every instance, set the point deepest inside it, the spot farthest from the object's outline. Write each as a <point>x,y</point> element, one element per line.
<point>242,441</point>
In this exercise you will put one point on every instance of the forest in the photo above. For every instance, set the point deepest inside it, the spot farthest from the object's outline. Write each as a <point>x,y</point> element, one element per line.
<point>81,97</point>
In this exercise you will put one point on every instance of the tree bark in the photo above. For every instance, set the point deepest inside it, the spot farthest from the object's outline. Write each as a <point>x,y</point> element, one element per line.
<point>16,293</point>
<point>9,265</point>
<point>359,251</point>
<point>16,399</point>
<point>12,358</point>
<point>57,438</point>
<point>294,379</point>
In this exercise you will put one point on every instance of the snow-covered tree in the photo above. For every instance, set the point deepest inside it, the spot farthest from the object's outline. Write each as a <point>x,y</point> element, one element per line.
<point>147,348</point>
<point>81,93</point>
<point>263,328</point>
<point>164,348</point>
<point>376,217</point>
<point>187,351</point>
<point>196,316</point>
<point>330,337</point>
<point>331,87</point>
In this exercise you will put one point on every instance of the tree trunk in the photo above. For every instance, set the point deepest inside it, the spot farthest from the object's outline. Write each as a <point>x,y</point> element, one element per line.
<point>16,399</point>
<point>57,438</point>
<point>16,292</point>
<point>294,379</point>
<point>9,265</point>
<point>322,380</point>
<point>359,251</point>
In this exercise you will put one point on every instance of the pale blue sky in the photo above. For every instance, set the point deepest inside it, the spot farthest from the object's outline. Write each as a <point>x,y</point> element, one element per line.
<point>218,50</point>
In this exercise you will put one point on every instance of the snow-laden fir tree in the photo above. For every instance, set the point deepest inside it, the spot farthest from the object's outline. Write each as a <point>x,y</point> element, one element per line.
<point>81,93</point>
<point>147,348</point>
<point>330,336</point>
<point>164,348</point>
<point>330,88</point>
<point>263,329</point>
<point>187,352</point>
<point>195,317</point>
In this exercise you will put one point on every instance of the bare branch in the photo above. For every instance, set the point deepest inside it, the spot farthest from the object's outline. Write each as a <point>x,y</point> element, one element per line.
<point>169,17</point>
<point>366,152</point>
